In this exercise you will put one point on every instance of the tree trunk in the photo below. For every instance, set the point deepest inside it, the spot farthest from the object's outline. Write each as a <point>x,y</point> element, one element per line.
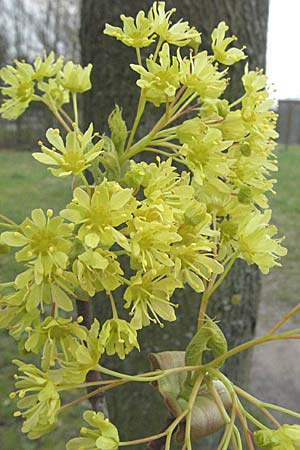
<point>136,408</point>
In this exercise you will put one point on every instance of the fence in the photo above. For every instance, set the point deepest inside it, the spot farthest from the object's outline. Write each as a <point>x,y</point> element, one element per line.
<point>289,122</point>
<point>24,133</point>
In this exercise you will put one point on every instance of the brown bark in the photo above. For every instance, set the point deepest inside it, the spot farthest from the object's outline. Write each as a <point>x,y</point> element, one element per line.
<point>136,408</point>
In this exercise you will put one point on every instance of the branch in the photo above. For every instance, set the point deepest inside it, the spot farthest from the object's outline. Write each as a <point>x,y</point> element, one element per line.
<point>158,444</point>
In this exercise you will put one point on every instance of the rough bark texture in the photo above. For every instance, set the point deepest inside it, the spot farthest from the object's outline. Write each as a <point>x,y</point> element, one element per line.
<point>136,408</point>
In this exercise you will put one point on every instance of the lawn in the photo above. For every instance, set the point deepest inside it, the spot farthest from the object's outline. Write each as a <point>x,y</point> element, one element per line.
<point>26,184</point>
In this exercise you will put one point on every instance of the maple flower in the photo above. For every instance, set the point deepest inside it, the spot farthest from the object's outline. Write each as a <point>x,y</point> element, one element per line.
<point>286,437</point>
<point>150,291</point>
<point>75,78</point>
<point>19,90</point>
<point>255,241</point>
<point>204,153</point>
<point>72,157</point>
<point>103,435</point>
<point>98,270</point>
<point>193,264</point>
<point>202,76</point>
<point>118,336</point>
<point>40,407</point>
<point>136,33</point>
<point>220,44</point>
<point>150,243</point>
<point>179,34</point>
<point>160,81</point>
<point>57,337</point>
<point>99,216</point>
<point>54,93</point>
<point>47,67</point>
<point>45,242</point>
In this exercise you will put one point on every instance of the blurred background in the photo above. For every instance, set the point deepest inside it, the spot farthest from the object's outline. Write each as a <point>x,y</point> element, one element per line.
<point>74,28</point>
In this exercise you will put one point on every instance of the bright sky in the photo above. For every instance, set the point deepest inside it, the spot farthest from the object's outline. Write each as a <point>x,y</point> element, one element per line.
<point>283,55</point>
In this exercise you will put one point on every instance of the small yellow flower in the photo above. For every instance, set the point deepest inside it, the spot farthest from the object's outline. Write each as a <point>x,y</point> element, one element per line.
<point>160,81</point>
<point>136,33</point>
<point>72,157</point>
<point>220,44</point>
<point>76,78</point>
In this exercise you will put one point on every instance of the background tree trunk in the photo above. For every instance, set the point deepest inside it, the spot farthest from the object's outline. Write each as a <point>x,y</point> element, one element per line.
<point>137,409</point>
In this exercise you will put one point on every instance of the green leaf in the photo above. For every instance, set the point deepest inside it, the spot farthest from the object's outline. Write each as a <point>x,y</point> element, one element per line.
<point>209,337</point>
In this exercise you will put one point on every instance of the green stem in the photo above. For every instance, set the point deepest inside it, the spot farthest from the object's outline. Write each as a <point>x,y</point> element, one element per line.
<point>224,437</point>
<point>144,440</point>
<point>224,274</point>
<point>56,114</point>
<point>161,152</point>
<point>292,334</point>
<point>211,289</point>
<point>139,113</point>
<point>92,394</point>
<point>7,225</point>
<point>113,305</point>
<point>66,115</point>
<point>281,409</point>
<point>85,182</point>
<point>192,399</point>
<point>167,132</point>
<point>167,144</point>
<point>163,140</point>
<point>186,99</point>
<point>149,376</point>
<point>253,419</point>
<point>238,438</point>
<point>172,427</point>
<point>284,319</point>
<point>158,47</point>
<point>237,101</point>
<point>75,107</point>
<point>261,404</point>
<point>8,220</point>
<point>138,56</point>
<point>6,285</point>
<point>131,377</point>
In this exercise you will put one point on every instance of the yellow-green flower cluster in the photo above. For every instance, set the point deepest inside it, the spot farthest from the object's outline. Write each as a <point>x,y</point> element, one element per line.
<point>103,435</point>
<point>286,437</point>
<point>58,337</point>
<point>39,400</point>
<point>144,30</point>
<point>143,229</point>
<point>46,80</point>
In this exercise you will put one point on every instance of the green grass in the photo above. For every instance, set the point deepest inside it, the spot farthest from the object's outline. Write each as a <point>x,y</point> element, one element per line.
<point>286,216</point>
<point>25,185</point>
